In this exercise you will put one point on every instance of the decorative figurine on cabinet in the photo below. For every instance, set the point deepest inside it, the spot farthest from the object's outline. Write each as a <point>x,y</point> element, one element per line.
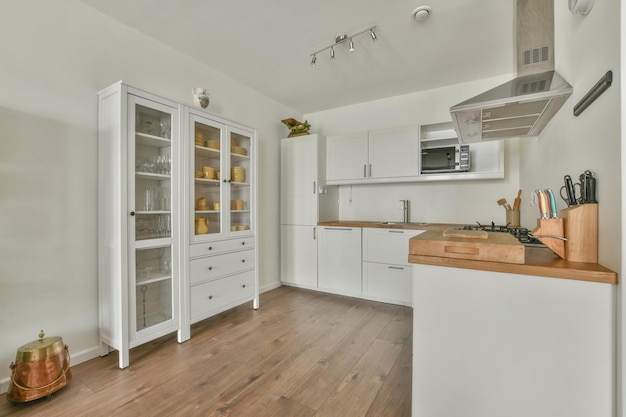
<point>297,128</point>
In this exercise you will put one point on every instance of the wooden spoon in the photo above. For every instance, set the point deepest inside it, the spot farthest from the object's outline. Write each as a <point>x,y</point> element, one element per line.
<point>502,202</point>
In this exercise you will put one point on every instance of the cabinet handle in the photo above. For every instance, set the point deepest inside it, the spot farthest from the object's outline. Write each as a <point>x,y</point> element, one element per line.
<point>364,170</point>
<point>370,170</point>
<point>337,228</point>
<point>396,267</point>
<point>313,187</point>
<point>132,213</point>
<point>314,237</point>
<point>395,231</point>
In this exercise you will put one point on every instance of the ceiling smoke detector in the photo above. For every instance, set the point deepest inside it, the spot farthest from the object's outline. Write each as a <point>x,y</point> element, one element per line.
<point>422,13</point>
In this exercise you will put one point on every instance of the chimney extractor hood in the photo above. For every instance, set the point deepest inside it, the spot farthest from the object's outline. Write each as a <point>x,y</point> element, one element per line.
<point>523,106</point>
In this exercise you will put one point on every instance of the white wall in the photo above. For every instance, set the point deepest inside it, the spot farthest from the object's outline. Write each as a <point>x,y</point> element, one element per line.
<point>463,202</point>
<point>55,57</point>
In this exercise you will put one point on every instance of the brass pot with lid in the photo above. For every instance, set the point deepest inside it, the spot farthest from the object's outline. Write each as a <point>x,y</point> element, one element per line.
<point>41,367</point>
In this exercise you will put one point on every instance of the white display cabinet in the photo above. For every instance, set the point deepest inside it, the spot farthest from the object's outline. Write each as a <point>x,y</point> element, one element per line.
<point>220,266</point>
<point>223,172</point>
<point>139,217</point>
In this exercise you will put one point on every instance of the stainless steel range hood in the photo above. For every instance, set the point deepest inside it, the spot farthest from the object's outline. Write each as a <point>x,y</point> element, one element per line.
<point>523,106</point>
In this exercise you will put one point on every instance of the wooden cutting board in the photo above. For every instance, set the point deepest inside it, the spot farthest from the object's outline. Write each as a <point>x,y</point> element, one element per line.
<point>466,234</point>
<point>496,247</point>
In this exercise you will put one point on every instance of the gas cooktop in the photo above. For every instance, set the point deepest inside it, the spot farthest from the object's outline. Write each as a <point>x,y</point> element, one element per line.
<point>520,233</point>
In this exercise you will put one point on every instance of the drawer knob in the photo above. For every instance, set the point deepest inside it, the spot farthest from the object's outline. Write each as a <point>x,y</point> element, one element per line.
<point>243,243</point>
<point>210,297</point>
<point>210,268</point>
<point>210,247</point>
<point>243,286</point>
<point>243,261</point>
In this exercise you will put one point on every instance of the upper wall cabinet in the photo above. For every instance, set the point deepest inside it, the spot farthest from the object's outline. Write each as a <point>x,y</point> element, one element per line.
<point>393,155</point>
<point>486,158</point>
<point>386,155</point>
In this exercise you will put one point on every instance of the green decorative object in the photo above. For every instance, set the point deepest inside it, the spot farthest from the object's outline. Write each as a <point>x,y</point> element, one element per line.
<point>297,128</point>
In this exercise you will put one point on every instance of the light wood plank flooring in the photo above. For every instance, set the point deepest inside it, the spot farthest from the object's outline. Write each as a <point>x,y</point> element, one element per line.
<point>302,354</point>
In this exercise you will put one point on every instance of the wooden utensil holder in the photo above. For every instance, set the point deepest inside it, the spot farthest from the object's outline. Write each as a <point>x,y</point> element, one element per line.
<point>581,230</point>
<point>551,227</point>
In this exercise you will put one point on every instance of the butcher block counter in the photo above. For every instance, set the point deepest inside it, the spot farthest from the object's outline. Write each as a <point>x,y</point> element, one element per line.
<point>537,261</point>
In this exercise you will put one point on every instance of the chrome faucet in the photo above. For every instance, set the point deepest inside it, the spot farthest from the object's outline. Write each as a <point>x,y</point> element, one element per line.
<point>405,210</point>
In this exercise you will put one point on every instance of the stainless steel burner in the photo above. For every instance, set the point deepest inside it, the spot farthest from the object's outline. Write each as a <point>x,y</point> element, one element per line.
<point>520,233</point>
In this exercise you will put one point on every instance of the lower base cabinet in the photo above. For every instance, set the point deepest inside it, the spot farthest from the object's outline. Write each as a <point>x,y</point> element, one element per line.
<point>388,283</point>
<point>298,256</point>
<point>339,260</point>
<point>212,297</point>
<point>221,276</point>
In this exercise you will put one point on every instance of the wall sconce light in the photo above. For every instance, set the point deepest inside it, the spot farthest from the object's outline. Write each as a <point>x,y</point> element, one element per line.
<point>341,38</point>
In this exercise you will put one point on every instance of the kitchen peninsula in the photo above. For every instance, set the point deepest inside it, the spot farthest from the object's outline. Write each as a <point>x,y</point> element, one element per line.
<point>493,339</point>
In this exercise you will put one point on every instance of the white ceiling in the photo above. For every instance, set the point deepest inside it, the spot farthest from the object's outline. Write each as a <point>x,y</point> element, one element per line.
<point>267,44</point>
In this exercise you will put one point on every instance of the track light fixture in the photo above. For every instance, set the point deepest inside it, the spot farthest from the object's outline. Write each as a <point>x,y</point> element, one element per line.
<point>341,38</point>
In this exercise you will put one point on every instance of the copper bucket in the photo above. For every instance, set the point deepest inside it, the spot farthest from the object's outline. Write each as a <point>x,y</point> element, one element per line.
<point>41,367</point>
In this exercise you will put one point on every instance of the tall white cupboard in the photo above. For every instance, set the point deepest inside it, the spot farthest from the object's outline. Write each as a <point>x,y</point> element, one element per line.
<point>151,231</point>
<point>305,200</point>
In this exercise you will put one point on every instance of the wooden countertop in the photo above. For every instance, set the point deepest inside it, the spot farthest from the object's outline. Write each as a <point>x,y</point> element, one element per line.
<point>392,225</point>
<point>538,261</point>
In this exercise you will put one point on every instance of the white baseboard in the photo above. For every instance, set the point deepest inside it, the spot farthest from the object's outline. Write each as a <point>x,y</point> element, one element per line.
<point>269,287</point>
<point>75,359</point>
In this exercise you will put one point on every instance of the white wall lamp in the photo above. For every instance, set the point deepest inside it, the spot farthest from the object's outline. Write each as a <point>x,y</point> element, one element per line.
<point>341,38</point>
<point>581,6</point>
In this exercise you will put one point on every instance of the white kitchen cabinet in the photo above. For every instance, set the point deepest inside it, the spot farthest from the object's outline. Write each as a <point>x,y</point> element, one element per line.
<point>305,199</point>
<point>139,217</point>
<point>298,255</point>
<point>387,274</point>
<point>150,224</point>
<point>347,158</point>
<point>222,275</point>
<point>375,156</point>
<point>339,261</point>
<point>491,339</point>
<point>221,210</point>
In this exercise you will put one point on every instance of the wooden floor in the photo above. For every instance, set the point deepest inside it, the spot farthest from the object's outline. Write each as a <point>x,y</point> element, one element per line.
<point>302,354</point>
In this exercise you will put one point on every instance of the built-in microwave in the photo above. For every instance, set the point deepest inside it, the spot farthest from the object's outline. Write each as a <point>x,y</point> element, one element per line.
<point>454,158</point>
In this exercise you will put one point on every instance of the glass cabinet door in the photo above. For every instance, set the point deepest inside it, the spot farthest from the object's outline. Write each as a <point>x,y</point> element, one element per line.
<point>152,152</point>
<point>241,171</point>
<point>207,189</point>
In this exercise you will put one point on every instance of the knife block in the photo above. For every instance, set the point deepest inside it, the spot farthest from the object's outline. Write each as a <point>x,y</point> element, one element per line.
<point>551,227</point>
<point>581,230</point>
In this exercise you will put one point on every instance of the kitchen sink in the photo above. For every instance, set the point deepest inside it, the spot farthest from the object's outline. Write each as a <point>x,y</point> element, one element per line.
<point>408,224</point>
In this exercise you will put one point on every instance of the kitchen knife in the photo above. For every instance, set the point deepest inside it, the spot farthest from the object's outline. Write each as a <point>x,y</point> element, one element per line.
<point>590,188</point>
<point>553,212</point>
<point>543,204</point>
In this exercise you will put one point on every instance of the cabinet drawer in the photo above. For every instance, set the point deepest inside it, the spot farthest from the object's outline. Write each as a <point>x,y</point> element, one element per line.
<point>211,267</point>
<point>214,295</point>
<point>220,246</point>
<point>387,245</point>
<point>390,283</point>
